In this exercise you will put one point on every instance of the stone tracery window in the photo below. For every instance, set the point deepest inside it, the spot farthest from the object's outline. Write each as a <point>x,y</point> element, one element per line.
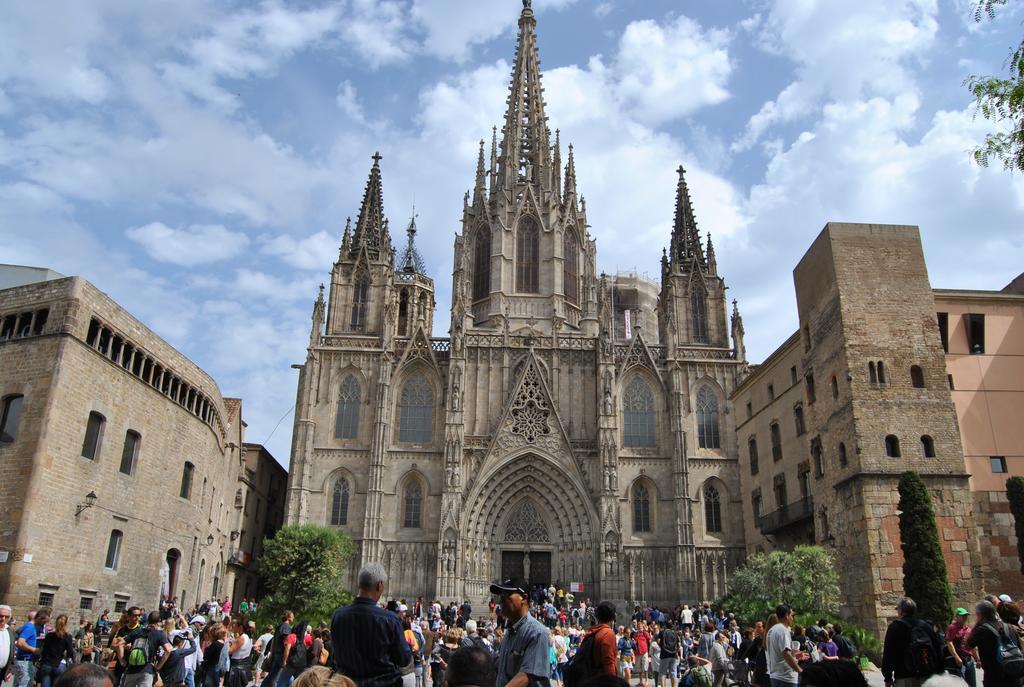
<point>339,502</point>
<point>699,313</point>
<point>571,270</point>
<point>413,504</point>
<point>530,412</point>
<point>526,525</point>
<point>638,409</point>
<point>482,262</point>
<point>641,509</point>
<point>707,419</point>
<point>416,411</point>
<point>360,296</point>
<point>527,256</point>
<point>346,425</point>
<point>712,510</point>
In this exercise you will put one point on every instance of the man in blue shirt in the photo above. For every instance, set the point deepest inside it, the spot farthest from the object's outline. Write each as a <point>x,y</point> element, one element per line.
<point>369,642</point>
<point>28,637</point>
<point>523,660</point>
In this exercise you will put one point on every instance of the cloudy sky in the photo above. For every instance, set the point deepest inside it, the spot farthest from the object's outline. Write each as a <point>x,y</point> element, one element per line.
<point>197,160</point>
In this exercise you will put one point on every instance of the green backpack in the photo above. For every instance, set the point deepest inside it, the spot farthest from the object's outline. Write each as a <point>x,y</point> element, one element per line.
<point>138,653</point>
<point>699,677</point>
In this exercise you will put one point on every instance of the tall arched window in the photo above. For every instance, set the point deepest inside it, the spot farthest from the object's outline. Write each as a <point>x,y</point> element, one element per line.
<point>842,454</point>
<point>9,418</point>
<point>346,425</point>
<point>416,411</point>
<point>482,263</point>
<point>93,436</point>
<point>699,313</point>
<point>641,509</point>
<point>113,550</point>
<point>571,269</point>
<point>892,446</point>
<point>638,409</point>
<point>917,376</point>
<point>360,296</point>
<point>707,418</point>
<point>186,481</point>
<point>928,446</point>
<point>130,452</point>
<point>712,510</point>
<point>403,312</point>
<point>413,504</point>
<point>339,502</point>
<point>527,256</point>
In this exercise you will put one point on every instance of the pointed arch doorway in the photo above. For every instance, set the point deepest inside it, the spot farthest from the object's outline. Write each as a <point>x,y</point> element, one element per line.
<point>526,547</point>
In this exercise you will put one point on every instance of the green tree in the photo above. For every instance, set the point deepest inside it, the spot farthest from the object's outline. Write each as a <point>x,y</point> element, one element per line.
<point>1015,494</point>
<point>924,566</point>
<point>1000,99</point>
<point>805,578</point>
<point>302,567</point>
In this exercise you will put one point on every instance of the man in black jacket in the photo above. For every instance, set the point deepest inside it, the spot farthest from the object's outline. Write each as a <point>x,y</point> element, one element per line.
<point>899,667</point>
<point>277,649</point>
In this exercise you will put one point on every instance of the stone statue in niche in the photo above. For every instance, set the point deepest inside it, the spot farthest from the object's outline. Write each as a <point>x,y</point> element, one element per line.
<point>526,567</point>
<point>606,342</point>
<point>456,398</point>
<point>608,405</point>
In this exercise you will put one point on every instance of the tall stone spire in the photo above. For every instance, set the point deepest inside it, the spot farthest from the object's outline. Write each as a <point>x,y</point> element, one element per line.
<point>686,244</point>
<point>410,259</point>
<point>525,146</point>
<point>371,227</point>
<point>480,190</point>
<point>570,179</point>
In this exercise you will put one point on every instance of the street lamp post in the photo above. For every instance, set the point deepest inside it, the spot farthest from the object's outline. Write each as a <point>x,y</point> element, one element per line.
<point>90,501</point>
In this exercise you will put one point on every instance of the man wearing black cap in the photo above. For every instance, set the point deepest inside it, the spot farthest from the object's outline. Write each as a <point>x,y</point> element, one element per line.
<point>523,659</point>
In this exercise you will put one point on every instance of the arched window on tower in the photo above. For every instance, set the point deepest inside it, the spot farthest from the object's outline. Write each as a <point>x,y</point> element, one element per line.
<point>707,419</point>
<point>346,425</point>
<point>339,502</point>
<point>892,446</point>
<point>412,502</point>
<point>416,411</point>
<point>699,313</point>
<point>928,446</point>
<point>641,509</point>
<point>527,256</point>
<point>571,271</point>
<point>917,376</point>
<point>403,312</point>
<point>360,296</point>
<point>712,510</point>
<point>482,263</point>
<point>638,409</point>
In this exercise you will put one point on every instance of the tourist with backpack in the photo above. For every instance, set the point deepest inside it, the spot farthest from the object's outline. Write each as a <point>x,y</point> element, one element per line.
<point>296,654</point>
<point>668,665</point>
<point>912,651</point>
<point>143,652</point>
<point>597,652</point>
<point>998,648</point>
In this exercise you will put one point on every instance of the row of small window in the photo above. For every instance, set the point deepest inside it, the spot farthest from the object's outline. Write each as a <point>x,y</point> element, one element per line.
<point>93,442</point>
<point>775,432</point>
<point>974,328</point>
<point>642,509</point>
<point>86,602</point>
<point>23,324</point>
<point>412,503</point>
<point>123,352</point>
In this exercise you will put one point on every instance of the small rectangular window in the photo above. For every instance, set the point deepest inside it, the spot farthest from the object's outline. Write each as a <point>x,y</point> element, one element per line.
<point>120,605</point>
<point>998,464</point>
<point>809,382</point>
<point>85,603</point>
<point>950,378</point>
<point>776,442</point>
<point>9,419</point>
<point>130,452</point>
<point>45,599</point>
<point>975,326</point>
<point>113,550</point>
<point>771,392</point>
<point>943,318</point>
<point>186,481</point>
<point>750,410</point>
<point>792,375</point>
<point>752,448</point>
<point>93,436</point>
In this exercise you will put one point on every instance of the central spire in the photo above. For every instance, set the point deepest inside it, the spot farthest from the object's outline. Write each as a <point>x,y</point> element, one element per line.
<point>525,144</point>
<point>686,244</point>
<point>372,225</point>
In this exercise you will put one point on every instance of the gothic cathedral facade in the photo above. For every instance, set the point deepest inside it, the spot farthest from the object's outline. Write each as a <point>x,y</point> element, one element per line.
<point>556,434</point>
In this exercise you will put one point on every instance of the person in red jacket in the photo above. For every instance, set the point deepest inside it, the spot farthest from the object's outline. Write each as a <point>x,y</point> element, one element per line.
<point>643,643</point>
<point>605,645</point>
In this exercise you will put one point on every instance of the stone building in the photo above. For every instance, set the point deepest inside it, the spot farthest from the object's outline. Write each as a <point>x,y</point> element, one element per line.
<point>259,513</point>
<point>120,456</point>
<point>535,440</point>
<point>855,397</point>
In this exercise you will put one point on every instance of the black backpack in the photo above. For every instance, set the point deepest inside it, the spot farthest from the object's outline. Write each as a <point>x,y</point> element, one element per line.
<point>924,656</point>
<point>846,647</point>
<point>1008,653</point>
<point>669,642</point>
<point>582,665</point>
<point>298,660</point>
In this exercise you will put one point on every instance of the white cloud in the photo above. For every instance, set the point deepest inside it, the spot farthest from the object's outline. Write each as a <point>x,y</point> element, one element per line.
<point>199,244</point>
<point>670,70</point>
<point>315,252</point>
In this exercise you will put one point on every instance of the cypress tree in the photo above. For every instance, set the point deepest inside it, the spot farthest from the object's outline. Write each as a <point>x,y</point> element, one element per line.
<point>924,566</point>
<point>1015,494</point>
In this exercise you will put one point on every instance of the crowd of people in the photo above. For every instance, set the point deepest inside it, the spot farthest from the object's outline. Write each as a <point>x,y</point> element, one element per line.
<point>536,638</point>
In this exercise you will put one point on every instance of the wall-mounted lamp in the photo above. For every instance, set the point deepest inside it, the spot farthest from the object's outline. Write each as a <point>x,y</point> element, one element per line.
<point>90,501</point>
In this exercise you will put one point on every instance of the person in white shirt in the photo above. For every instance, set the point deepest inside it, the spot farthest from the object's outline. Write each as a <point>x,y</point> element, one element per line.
<point>7,640</point>
<point>783,663</point>
<point>687,617</point>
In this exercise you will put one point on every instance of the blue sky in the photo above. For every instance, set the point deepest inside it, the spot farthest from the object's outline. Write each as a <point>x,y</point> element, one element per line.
<point>197,160</point>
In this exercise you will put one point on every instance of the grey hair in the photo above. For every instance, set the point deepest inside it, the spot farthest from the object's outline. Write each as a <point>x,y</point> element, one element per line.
<point>907,605</point>
<point>5,607</point>
<point>943,681</point>
<point>371,574</point>
<point>986,610</point>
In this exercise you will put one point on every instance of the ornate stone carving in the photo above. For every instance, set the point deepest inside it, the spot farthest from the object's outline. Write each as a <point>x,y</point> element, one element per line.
<point>530,415</point>
<point>526,525</point>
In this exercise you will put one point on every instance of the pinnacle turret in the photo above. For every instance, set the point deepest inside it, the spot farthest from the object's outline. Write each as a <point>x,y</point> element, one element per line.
<point>570,179</point>
<point>480,190</point>
<point>410,259</point>
<point>371,227</point>
<point>686,244</point>
<point>712,262</point>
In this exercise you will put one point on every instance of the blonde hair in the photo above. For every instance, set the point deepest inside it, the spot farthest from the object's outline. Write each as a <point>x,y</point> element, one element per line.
<point>322,676</point>
<point>60,625</point>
